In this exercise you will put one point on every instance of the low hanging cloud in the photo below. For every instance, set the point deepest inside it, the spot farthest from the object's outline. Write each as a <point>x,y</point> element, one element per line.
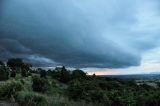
<point>83,33</point>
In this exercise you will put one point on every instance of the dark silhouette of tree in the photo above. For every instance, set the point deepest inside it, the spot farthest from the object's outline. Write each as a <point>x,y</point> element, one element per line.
<point>24,72</point>
<point>49,72</point>
<point>1,63</point>
<point>42,72</point>
<point>13,74</point>
<point>94,75</point>
<point>56,74</point>
<point>4,72</point>
<point>25,69</point>
<point>78,74</point>
<point>17,64</point>
<point>64,75</point>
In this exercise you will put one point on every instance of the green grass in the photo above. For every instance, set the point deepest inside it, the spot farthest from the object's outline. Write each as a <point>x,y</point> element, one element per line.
<point>28,98</point>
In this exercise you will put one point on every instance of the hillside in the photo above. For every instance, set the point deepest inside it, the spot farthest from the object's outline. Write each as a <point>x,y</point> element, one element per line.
<point>23,86</point>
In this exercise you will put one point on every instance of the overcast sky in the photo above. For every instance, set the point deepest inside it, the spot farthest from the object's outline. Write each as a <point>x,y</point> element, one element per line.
<point>99,36</point>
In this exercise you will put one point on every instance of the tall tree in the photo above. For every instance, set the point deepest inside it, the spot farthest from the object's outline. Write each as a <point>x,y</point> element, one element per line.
<point>18,64</point>
<point>64,75</point>
<point>4,72</point>
<point>15,63</point>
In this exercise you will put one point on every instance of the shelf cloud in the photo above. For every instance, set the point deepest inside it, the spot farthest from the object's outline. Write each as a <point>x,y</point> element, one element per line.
<point>81,34</point>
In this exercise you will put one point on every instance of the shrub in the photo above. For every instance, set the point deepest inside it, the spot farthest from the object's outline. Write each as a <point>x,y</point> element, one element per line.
<point>9,89</point>
<point>40,84</point>
<point>83,89</point>
<point>1,63</point>
<point>29,73</point>
<point>26,98</point>
<point>13,74</point>
<point>22,81</point>
<point>4,73</point>
<point>24,73</point>
<point>43,73</point>
<point>78,74</point>
<point>53,84</point>
<point>58,103</point>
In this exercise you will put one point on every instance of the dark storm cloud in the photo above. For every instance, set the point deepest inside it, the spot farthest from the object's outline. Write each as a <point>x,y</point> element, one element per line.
<point>73,33</point>
<point>13,46</point>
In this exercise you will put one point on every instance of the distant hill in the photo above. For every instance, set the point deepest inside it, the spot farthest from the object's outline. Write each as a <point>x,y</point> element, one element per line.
<point>136,76</point>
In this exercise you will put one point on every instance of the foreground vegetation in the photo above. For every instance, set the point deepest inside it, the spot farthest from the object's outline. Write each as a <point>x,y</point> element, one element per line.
<point>61,87</point>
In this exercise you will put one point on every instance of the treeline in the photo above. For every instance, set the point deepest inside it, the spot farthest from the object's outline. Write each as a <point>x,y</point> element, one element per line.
<point>14,66</point>
<point>17,66</point>
<point>76,85</point>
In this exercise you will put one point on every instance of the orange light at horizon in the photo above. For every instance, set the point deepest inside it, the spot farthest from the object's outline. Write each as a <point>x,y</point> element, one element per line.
<point>100,73</point>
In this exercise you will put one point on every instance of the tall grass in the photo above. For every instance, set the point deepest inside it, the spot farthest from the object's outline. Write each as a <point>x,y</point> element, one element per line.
<point>26,98</point>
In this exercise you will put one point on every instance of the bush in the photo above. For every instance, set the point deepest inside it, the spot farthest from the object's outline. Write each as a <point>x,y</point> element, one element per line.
<point>13,74</point>
<point>4,73</point>
<point>24,73</point>
<point>83,89</point>
<point>29,73</point>
<point>53,84</point>
<point>43,73</point>
<point>78,74</point>
<point>57,103</point>
<point>40,84</point>
<point>9,89</point>
<point>26,98</point>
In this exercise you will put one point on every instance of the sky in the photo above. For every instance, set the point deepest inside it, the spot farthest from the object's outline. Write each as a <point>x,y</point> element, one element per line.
<point>98,36</point>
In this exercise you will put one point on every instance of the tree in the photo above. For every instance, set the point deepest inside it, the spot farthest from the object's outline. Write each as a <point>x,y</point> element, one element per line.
<point>56,74</point>
<point>1,63</point>
<point>78,74</point>
<point>13,74</point>
<point>25,68</point>
<point>64,75</point>
<point>15,63</point>
<point>18,64</point>
<point>24,72</point>
<point>42,72</point>
<point>4,73</point>
<point>94,75</point>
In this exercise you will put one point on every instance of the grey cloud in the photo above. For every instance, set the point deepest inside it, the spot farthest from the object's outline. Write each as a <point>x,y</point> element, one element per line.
<point>13,46</point>
<point>96,34</point>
